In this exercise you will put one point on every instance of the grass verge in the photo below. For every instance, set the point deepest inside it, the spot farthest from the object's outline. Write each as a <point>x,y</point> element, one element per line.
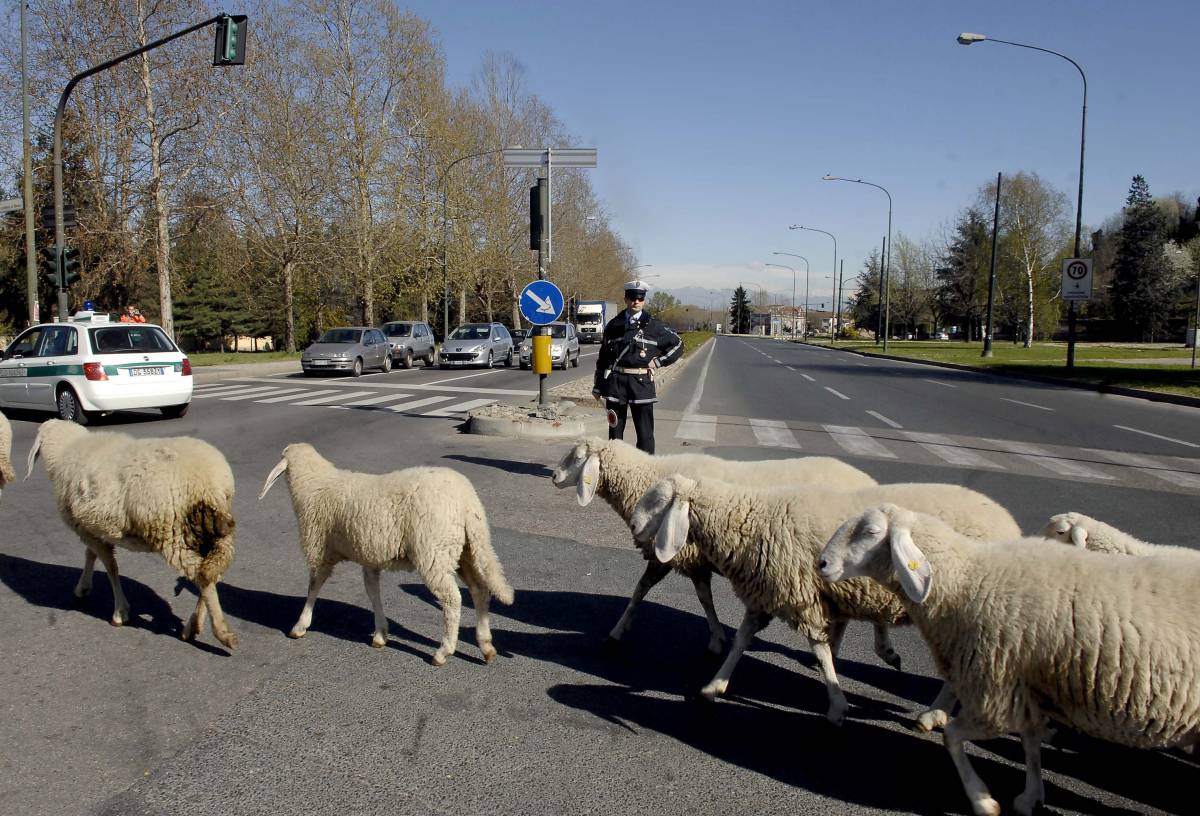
<point>211,358</point>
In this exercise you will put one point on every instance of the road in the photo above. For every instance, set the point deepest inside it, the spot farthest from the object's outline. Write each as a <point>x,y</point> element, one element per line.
<point>133,721</point>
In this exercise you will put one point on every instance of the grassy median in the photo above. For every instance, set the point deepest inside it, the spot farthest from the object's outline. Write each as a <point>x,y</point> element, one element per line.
<point>211,358</point>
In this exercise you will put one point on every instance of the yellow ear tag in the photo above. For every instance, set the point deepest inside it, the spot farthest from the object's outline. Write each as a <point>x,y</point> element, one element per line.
<point>914,565</point>
<point>587,480</point>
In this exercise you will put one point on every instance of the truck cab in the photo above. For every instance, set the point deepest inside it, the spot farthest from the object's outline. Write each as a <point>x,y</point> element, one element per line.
<point>591,317</point>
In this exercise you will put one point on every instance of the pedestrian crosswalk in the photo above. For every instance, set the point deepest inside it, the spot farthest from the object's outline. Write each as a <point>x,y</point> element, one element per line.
<point>380,399</point>
<point>895,444</point>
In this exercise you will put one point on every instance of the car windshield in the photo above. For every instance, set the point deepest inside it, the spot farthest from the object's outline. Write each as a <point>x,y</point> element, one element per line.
<point>558,331</point>
<point>471,331</point>
<point>340,336</point>
<point>126,339</point>
<point>397,329</point>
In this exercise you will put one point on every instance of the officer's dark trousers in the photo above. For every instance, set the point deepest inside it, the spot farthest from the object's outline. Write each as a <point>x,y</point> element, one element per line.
<point>643,424</point>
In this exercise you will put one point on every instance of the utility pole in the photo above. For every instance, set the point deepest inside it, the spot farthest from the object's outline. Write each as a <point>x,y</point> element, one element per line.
<point>879,313</point>
<point>31,293</point>
<point>987,337</point>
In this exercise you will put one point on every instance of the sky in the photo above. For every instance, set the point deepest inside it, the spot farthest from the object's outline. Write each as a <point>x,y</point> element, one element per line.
<point>715,121</point>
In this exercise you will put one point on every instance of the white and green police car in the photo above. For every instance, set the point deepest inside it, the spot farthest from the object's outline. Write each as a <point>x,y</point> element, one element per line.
<point>90,365</point>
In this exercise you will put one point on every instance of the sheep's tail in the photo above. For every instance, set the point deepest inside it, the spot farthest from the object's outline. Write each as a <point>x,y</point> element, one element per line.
<point>483,557</point>
<point>210,530</point>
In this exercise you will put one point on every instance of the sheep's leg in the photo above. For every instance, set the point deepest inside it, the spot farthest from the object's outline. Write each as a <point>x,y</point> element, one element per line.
<point>960,730</point>
<point>220,627</point>
<point>938,713</point>
<point>371,582</point>
<point>195,624</point>
<point>836,713</point>
<point>703,583</point>
<point>1035,791</point>
<point>654,573</point>
<point>752,624</point>
<point>481,598</point>
<point>85,578</point>
<point>445,589</point>
<point>316,579</point>
<point>837,631</point>
<point>105,553</point>
<point>883,646</point>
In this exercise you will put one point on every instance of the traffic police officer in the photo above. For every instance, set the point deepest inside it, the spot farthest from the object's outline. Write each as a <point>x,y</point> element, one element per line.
<point>635,343</point>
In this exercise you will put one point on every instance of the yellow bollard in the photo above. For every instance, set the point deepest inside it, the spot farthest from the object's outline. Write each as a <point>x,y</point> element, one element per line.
<point>541,354</point>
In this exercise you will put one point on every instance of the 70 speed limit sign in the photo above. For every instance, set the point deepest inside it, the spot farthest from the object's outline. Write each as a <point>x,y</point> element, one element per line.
<point>1077,279</point>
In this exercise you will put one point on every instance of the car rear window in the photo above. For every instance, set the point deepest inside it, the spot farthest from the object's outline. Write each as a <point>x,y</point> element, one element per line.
<point>127,339</point>
<point>397,329</point>
<point>340,336</point>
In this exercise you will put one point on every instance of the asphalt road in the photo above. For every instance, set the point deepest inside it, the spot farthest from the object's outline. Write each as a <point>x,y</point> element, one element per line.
<point>134,721</point>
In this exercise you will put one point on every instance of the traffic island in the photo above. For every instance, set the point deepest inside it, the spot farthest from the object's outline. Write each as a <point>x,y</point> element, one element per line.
<point>561,419</point>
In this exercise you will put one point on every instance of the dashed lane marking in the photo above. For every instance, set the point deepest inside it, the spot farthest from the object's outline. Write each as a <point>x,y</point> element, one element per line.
<point>884,419</point>
<point>939,382</point>
<point>838,394</point>
<point>1027,404</point>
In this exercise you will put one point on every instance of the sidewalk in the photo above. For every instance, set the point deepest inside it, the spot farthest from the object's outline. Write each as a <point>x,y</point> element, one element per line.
<point>229,371</point>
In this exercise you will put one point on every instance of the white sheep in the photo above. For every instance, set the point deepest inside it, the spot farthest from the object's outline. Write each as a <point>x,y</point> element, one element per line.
<point>620,474</point>
<point>170,496</point>
<point>1028,633</point>
<point>1085,531</point>
<point>423,519</point>
<point>7,475</point>
<point>766,542</point>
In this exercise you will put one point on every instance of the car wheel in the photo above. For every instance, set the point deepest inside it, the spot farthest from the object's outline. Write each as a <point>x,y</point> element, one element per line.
<point>387,363</point>
<point>575,362</point>
<point>406,361</point>
<point>508,361</point>
<point>69,407</point>
<point>175,411</point>
<point>429,359</point>
<point>357,370</point>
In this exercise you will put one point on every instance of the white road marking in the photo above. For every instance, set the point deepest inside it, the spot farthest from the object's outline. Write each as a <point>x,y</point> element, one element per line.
<point>459,409</point>
<point>219,386</point>
<point>836,393</point>
<point>1042,457</point>
<point>467,376</point>
<point>773,433</point>
<point>946,449</point>
<point>373,400</point>
<point>789,368</point>
<point>702,427</point>
<point>1027,404</point>
<point>457,389</point>
<point>334,398</point>
<point>273,391</point>
<point>401,407</point>
<point>1145,464</point>
<point>301,395</point>
<point>1157,436</point>
<point>884,419</point>
<point>810,379</point>
<point>245,389</point>
<point>939,382</point>
<point>857,441</point>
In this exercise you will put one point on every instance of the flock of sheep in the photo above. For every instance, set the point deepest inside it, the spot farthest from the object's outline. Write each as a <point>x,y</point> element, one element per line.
<point>1023,633</point>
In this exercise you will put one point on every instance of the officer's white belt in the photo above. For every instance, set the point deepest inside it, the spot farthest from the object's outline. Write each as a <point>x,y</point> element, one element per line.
<point>620,370</point>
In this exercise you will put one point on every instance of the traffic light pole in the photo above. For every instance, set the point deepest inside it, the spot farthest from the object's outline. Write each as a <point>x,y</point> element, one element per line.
<point>59,228</point>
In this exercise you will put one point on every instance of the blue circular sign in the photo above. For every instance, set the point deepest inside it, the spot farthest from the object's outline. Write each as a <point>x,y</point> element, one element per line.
<point>541,302</point>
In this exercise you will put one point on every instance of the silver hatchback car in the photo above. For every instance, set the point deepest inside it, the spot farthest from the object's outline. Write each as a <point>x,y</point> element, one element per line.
<point>564,347</point>
<point>348,350</point>
<point>482,344</point>
<point>410,340</point>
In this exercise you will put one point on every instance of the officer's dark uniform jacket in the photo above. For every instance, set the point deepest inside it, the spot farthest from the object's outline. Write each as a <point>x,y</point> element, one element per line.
<point>623,370</point>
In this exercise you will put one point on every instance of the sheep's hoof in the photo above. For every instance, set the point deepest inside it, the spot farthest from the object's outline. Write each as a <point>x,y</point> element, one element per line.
<point>489,653</point>
<point>119,618</point>
<point>438,659</point>
<point>189,633</point>
<point>611,644</point>
<point>716,647</point>
<point>837,712</point>
<point>1026,805</point>
<point>892,659</point>
<point>82,592</point>
<point>297,633</point>
<point>986,806</point>
<point>714,690</point>
<point>378,641</point>
<point>229,639</point>
<point>932,719</point>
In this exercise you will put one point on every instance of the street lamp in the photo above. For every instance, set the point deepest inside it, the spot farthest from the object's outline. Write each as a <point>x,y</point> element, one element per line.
<point>887,274</point>
<point>807,270</point>
<point>966,38</point>
<point>784,266</point>
<point>834,237</point>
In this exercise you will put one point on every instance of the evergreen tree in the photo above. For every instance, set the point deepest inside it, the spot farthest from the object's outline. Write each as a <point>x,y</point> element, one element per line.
<point>963,278</point>
<point>1141,291</point>
<point>864,303</point>
<point>740,311</point>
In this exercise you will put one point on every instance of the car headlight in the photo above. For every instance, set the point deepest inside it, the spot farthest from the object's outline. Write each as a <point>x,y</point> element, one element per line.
<point>556,349</point>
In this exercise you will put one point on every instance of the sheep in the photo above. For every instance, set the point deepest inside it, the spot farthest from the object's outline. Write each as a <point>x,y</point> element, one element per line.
<point>621,473</point>
<point>170,496</point>
<point>423,519</point>
<point>1085,531</point>
<point>7,475</point>
<point>766,542</point>
<point>1026,634</point>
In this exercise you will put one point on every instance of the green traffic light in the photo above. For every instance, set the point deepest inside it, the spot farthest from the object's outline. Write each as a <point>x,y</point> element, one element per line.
<point>231,38</point>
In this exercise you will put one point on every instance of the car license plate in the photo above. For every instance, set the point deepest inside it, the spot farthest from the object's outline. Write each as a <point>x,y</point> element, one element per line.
<point>320,362</point>
<point>146,371</point>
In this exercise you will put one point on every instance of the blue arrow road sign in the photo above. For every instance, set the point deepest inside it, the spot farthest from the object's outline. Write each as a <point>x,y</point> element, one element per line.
<point>541,302</point>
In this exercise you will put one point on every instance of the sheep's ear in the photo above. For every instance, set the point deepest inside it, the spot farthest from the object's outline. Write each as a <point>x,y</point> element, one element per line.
<point>273,475</point>
<point>912,568</point>
<point>33,452</point>
<point>673,532</point>
<point>589,480</point>
<point>1078,535</point>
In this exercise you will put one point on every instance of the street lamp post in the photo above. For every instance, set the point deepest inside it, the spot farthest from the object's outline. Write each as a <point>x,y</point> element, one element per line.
<point>784,266</point>
<point>807,270</point>
<point>834,276</point>
<point>967,38</point>
<point>887,265</point>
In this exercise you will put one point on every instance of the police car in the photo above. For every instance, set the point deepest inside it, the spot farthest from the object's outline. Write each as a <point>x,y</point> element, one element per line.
<point>90,365</point>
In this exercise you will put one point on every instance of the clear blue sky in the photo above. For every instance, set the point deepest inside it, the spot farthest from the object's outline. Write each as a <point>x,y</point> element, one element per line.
<point>715,121</point>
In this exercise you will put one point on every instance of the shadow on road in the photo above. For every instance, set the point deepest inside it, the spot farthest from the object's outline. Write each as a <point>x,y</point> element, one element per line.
<point>507,465</point>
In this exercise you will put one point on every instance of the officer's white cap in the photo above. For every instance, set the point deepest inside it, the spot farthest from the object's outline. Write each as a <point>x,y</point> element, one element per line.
<point>636,286</point>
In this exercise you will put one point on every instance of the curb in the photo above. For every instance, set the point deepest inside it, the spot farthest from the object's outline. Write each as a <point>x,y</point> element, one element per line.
<point>535,428</point>
<point>1101,388</point>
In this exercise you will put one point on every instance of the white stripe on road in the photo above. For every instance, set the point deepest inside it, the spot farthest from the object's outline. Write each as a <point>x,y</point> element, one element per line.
<point>459,409</point>
<point>335,398</point>
<point>1146,465</point>
<point>1042,457</point>
<point>884,419</point>
<point>374,400</point>
<point>405,386</point>
<point>939,382</point>
<point>946,449</point>
<point>836,393</point>
<point>857,441</point>
<point>789,368</point>
<point>219,386</point>
<point>1156,436</point>
<point>773,433</point>
<point>256,395</point>
<point>301,395</point>
<point>241,390</point>
<point>701,427</point>
<point>466,376</point>
<point>401,407</point>
<point>810,379</point>
<point>1027,404</point>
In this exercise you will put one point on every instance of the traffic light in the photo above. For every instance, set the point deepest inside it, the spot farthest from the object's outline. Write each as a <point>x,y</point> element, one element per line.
<point>49,264</point>
<point>230,46</point>
<point>48,216</point>
<point>535,217</point>
<point>70,266</point>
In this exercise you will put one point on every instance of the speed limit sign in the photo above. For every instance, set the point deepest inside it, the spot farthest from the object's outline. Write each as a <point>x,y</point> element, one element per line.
<point>1077,279</point>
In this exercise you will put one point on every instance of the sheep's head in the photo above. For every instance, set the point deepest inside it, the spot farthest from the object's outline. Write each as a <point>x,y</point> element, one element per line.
<point>1067,528</point>
<point>863,546</point>
<point>581,468</point>
<point>51,435</point>
<point>661,514</point>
